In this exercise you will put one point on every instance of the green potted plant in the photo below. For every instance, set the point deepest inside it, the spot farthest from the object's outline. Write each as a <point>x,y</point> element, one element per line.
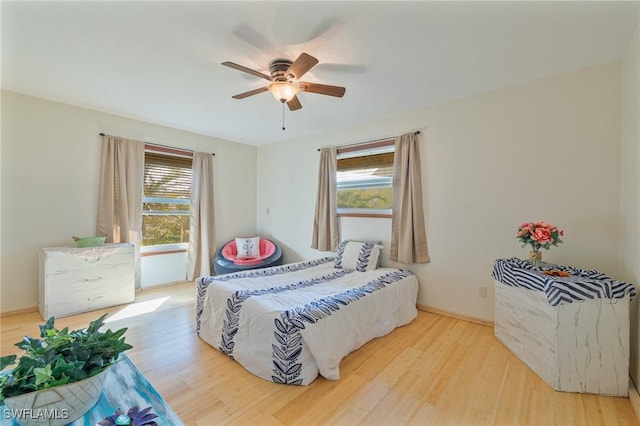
<point>69,364</point>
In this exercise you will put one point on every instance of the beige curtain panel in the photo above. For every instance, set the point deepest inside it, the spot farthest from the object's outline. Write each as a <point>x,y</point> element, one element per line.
<point>120,199</point>
<point>408,235</point>
<point>202,241</point>
<point>325,222</point>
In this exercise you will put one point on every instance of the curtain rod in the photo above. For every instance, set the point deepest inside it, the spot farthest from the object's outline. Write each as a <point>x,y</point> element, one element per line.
<point>417,132</point>
<point>165,146</point>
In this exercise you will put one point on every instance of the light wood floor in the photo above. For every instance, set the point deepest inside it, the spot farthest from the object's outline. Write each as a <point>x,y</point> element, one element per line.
<point>434,371</point>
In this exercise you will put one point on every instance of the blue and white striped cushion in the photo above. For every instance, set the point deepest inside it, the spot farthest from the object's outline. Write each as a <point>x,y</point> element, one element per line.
<point>582,284</point>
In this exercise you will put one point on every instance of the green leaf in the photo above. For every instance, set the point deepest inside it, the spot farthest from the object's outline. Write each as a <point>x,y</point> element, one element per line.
<point>63,381</point>
<point>62,368</point>
<point>6,361</point>
<point>43,375</point>
<point>44,329</point>
<point>95,325</point>
<point>29,344</point>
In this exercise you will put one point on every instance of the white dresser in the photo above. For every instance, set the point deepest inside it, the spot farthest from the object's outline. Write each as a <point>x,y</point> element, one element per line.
<point>575,347</point>
<point>74,280</point>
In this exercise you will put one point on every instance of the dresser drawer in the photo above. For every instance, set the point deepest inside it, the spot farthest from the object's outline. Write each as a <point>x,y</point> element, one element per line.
<point>74,280</point>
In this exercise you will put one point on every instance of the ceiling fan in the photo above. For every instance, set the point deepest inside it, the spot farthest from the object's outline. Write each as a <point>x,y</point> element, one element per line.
<point>285,84</point>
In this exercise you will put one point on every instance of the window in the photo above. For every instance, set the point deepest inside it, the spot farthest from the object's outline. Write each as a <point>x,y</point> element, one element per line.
<point>365,179</point>
<point>166,202</point>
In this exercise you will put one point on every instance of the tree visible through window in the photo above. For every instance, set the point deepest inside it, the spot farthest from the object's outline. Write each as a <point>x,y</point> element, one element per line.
<point>365,179</point>
<point>166,202</point>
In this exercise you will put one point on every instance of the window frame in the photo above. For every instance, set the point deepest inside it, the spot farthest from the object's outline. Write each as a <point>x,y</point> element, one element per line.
<point>175,247</point>
<point>373,148</point>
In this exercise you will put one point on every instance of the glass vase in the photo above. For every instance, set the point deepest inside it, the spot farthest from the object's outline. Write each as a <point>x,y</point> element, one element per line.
<point>535,258</point>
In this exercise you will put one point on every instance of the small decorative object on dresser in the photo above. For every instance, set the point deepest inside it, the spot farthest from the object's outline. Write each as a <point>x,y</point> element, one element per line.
<point>89,241</point>
<point>74,279</point>
<point>538,235</point>
<point>569,325</point>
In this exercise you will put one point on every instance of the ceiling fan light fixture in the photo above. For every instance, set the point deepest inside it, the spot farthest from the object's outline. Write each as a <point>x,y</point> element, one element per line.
<point>283,91</point>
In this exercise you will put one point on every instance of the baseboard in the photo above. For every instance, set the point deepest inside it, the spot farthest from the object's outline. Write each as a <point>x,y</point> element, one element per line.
<point>454,315</point>
<point>29,310</point>
<point>634,398</point>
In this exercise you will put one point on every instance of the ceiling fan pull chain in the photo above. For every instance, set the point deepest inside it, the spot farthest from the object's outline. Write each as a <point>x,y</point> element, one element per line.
<point>283,116</point>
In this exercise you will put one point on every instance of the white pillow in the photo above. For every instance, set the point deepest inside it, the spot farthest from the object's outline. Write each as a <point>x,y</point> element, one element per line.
<point>248,247</point>
<point>358,255</point>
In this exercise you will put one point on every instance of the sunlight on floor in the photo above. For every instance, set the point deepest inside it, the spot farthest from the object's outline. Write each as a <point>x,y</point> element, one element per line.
<point>139,308</point>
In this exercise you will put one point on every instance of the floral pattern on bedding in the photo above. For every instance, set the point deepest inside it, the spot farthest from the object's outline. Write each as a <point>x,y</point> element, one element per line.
<point>287,328</point>
<point>288,324</point>
<point>234,304</point>
<point>203,282</point>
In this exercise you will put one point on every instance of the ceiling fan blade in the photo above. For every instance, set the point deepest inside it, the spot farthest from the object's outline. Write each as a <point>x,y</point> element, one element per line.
<point>250,93</point>
<point>301,65</point>
<point>247,70</point>
<point>322,89</point>
<point>294,104</point>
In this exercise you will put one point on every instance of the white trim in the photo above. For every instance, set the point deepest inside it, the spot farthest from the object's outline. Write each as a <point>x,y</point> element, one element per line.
<point>634,398</point>
<point>164,247</point>
<point>364,210</point>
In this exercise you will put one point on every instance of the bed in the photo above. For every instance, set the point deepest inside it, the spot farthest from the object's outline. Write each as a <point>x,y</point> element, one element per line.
<point>289,323</point>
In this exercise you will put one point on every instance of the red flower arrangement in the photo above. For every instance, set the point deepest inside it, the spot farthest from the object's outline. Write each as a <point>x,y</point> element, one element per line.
<point>539,235</point>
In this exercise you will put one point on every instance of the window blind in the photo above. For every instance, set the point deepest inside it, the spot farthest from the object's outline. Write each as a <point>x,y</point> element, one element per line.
<point>167,176</point>
<point>383,163</point>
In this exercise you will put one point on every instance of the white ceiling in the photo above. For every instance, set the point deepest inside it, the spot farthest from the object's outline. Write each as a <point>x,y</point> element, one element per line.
<point>161,61</point>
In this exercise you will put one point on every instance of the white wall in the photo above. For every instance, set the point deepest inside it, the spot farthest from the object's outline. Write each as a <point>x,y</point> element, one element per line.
<point>163,269</point>
<point>50,177</point>
<point>546,150</point>
<point>630,189</point>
